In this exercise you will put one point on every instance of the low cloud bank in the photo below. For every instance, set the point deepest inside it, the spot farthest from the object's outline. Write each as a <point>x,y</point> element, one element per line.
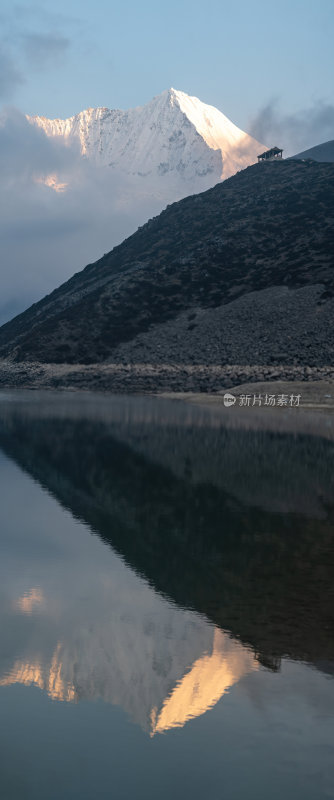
<point>46,235</point>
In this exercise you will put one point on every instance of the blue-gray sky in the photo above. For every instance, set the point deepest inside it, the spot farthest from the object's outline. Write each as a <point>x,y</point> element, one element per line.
<point>58,58</point>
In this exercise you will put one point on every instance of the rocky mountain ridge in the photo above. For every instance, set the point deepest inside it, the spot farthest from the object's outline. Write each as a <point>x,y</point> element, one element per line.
<point>269,226</point>
<point>320,152</point>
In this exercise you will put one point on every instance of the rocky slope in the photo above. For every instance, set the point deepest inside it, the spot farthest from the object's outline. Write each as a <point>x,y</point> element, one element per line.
<point>321,152</point>
<point>242,273</point>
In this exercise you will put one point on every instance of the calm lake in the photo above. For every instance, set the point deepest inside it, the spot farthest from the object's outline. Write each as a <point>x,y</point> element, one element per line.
<point>166,603</point>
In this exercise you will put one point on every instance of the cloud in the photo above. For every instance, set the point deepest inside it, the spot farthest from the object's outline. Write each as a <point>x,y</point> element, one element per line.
<point>47,236</point>
<point>27,153</point>
<point>44,49</point>
<point>10,76</point>
<point>31,39</point>
<point>293,132</point>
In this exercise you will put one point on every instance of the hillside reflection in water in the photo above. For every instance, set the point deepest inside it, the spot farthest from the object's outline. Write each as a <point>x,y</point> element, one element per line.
<point>160,561</point>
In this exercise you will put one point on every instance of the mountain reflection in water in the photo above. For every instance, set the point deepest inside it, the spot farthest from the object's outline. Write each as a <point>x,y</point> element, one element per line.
<point>236,525</point>
<point>100,676</point>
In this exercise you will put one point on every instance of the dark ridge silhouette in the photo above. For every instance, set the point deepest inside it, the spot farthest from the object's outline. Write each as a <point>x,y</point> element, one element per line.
<point>269,226</point>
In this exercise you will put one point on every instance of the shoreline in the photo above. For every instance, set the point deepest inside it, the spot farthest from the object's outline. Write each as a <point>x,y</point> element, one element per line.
<point>103,390</point>
<point>143,378</point>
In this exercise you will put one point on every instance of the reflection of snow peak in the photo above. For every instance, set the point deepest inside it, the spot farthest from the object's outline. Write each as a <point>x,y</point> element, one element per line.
<point>173,135</point>
<point>124,644</point>
<point>49,679</point>
<point>205,683</point>
<point>30,601</point>
<point>207,680</point>
<point>53,183</point>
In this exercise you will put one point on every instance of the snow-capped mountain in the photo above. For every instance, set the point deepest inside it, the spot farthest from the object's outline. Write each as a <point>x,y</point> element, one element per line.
<point>175,139</point>
<point>132,165</point>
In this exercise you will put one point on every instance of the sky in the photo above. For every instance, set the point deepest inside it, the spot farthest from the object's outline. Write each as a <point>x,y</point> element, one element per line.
<point>269,68</point>
<point>59,58</point>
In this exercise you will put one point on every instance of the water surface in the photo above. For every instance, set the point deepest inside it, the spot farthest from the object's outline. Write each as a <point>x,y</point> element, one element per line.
<point>166,603</point>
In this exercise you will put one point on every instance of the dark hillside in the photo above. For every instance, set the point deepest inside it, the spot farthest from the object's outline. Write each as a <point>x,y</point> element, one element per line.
<point>270,225</point>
